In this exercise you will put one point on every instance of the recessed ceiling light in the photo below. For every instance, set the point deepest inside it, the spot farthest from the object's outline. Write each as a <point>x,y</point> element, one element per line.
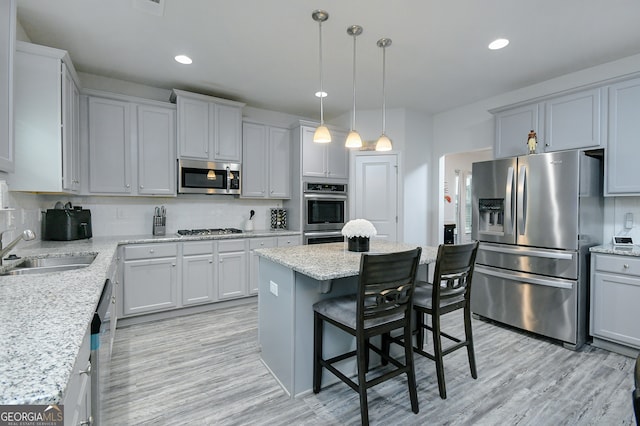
<point>183,59</point>
<point>321,94</point>
<point>498,44</point>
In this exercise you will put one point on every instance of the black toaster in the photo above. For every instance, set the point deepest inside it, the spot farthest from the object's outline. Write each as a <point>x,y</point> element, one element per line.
<point>67,224</point>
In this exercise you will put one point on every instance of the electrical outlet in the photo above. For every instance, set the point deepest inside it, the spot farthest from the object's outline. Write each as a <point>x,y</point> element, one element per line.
<point>273,288</point>
<point>628,220</point>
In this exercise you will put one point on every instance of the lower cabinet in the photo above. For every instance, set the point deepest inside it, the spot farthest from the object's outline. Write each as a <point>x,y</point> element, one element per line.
<point>197,273</point>
<point>77,395</point>
<point>232,269</point>
<point>167,276</point>
<point>615,292</point>
<point>150,278</point>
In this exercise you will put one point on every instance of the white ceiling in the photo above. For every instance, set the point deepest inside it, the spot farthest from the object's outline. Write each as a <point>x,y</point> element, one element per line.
<point>265,52</point>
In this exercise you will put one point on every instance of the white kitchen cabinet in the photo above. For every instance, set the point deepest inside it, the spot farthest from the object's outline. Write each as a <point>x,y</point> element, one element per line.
<point>109,146</point>
<point>209,128</point>
<point>266,161</point>
<point>7,46</point>
<point>328,160</point>
<point>197,273</point>
<point>512,127</point>
<point>622,175</point>
<point>257,243</point>
<point>131,145</point>
<point>77,395</point>
<point>231,270</point>
<point>575,121</point>
<point>150,278</point>
<point>615,292</point>
<point>46,110</point>
<point>289,240</point>
<point>156,150</point>
<point>571,121</point>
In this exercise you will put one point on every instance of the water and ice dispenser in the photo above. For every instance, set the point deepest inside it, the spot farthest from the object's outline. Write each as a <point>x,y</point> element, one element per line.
<point>491,215</point>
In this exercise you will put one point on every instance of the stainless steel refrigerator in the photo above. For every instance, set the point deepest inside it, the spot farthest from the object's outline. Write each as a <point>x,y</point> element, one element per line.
<point>536,217</point>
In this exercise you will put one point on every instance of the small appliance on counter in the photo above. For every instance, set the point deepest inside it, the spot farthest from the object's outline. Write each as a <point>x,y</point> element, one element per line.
<point>66,223</point>
<point>278,219</point>
<point>159,221</point>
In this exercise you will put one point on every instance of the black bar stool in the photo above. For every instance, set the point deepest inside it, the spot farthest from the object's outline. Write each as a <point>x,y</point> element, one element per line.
<point>383,303</point>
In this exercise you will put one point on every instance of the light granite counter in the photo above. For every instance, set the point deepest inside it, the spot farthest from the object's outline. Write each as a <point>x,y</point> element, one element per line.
<point>291,280</point>
<point>633,250</point>
<point>44,317</point>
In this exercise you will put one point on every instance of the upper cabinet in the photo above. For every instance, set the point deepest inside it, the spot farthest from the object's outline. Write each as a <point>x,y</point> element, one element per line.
<point>130,145</point>
<point>572,121</point>
<point>266,157</point>
<point>322,160</point>
<point>46,111</point>
<point>622,176</point>
<point>209,128</point>
<point>7,42</point>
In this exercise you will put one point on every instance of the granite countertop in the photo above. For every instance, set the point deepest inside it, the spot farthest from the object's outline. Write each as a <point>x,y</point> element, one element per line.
<point>633,250</point>
<point>44,317</point>
<point>330,261</point>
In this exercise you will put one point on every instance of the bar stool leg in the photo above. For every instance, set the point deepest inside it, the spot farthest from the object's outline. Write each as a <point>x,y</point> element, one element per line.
<point>411,375</point>
<point>362,358</point>
<point>469,337</point>
<point>437,354</point>
<point>317,352</point>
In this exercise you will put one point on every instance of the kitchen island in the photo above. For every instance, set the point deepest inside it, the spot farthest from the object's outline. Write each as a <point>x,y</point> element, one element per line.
<point>292,279</point>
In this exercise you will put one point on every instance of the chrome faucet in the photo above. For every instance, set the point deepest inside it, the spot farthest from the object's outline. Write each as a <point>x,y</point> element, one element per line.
<point>26,235</point>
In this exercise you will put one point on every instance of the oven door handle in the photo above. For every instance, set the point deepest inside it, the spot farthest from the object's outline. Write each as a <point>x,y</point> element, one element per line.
<point>325,196</point>
<point>323,234</point>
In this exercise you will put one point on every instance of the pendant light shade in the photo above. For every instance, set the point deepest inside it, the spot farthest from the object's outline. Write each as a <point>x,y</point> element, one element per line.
<point>321,134</point>
<point>384,143</point>
<point>353,139</point>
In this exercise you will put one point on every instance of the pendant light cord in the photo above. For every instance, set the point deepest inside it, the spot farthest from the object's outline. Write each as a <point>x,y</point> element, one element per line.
<point>321,89</point>
<point>384,97</point>
<point>353,119</point>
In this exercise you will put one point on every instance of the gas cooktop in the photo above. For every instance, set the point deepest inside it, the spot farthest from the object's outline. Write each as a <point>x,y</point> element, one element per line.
<point>210,231</point>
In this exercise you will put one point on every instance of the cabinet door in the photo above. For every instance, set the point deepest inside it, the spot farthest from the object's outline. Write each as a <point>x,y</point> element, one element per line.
<point>150,285</point>
<point>279,163</point>
<point>156,151</point>
<point>254,160</point>
<point>313,154</point>
<point>512,128</point>
<point>70,132</point>
<point>109,146</point>
<point>337,157</point>
<point>232,275</point>
<point>574,121</point>
<point>614,308</point>
<point>197,279</point>
<point>227,139</point>
<point>622,175</point>
<point>7,41</point>
<point>193,128</point>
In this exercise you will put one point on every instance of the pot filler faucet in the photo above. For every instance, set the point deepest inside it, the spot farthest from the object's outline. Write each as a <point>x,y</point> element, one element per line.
<point>26,235</point>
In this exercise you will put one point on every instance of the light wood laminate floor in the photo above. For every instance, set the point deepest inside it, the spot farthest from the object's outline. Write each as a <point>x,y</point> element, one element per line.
<point>205,369</point>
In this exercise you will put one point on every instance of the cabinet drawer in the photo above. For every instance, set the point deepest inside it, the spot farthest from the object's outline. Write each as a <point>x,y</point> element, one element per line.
<point>198,247</point>
<point>617,264</point>
<point>230,245</point>
<point>256,243</point>
<point>150,251</point>
<point>291,240</point>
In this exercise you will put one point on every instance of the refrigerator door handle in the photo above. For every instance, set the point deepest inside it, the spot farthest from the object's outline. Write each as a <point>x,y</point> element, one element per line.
<point>520,251</point>
<point>508,201</point>
<point>525,278</point>
<point>520,207</point>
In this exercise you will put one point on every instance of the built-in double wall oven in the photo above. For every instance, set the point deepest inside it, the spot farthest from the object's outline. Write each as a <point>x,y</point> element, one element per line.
<point>325,212</point>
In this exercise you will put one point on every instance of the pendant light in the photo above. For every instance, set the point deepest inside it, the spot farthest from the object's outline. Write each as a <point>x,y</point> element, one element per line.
<point>353,139</point>
<point>321,134</point>
<point>384,143</point>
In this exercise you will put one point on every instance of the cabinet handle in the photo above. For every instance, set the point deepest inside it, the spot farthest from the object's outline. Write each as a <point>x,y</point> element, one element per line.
<point>626,266</point>
<point>87,422</point>
<point>150,250</point>
<point>113,300</point>
<point>173,265</point>
<point>211,261</point>
<point>141,186</point>
<point>261,244</point>
<point>128,186</point>
<point>87,371</point>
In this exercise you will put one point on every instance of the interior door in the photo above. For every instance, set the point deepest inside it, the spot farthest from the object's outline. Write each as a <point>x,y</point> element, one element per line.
<point>376,193</point>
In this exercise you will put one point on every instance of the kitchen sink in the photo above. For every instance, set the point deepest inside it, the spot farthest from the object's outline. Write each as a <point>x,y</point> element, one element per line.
<point>41,265</point>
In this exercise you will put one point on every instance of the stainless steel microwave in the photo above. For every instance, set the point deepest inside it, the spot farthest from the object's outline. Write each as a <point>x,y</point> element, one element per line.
<point>206,177</point>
